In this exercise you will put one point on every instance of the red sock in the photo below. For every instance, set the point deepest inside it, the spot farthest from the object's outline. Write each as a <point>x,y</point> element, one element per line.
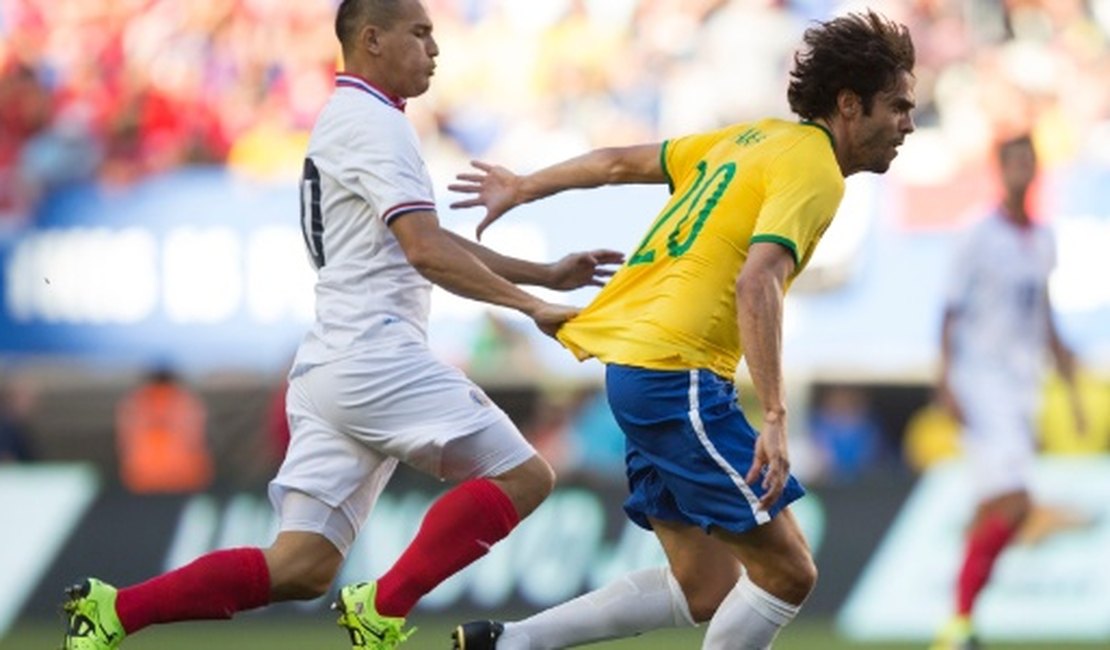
<point>213,586</point>
<point>984,546</point>
<point>459,528</point>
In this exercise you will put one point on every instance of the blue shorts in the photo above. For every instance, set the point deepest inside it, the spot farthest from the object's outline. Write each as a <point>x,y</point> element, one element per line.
<point>688,448</point>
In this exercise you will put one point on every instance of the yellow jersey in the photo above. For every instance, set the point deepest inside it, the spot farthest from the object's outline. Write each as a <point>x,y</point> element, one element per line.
<point>672,306</point>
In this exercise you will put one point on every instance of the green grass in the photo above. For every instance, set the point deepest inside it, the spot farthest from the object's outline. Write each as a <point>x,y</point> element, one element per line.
<point>321,634</point>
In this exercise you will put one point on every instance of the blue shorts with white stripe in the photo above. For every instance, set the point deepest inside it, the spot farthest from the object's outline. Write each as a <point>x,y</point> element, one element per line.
<point>688,448</point>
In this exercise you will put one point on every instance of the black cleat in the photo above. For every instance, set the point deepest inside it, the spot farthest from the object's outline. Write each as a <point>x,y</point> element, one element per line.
<point>477,635</point>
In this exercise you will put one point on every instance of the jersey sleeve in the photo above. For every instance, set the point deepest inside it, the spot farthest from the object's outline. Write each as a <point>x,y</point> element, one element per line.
<point>680,155</point>
<point>802,196</point>
<point>389,172</point>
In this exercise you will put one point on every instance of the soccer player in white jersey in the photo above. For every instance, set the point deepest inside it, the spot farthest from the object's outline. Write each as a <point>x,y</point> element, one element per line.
<point>997,324</point>
<point>365,391</point>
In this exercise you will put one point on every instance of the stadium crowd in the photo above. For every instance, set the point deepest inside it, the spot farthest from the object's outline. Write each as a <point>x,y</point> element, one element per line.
<point>116,90</point>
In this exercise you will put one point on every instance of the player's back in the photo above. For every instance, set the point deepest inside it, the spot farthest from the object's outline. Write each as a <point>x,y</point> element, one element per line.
<point>672,306</point>
<point>362,169</point>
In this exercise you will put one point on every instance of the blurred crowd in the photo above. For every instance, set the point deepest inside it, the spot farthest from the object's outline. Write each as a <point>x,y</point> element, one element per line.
<point>114,90</point>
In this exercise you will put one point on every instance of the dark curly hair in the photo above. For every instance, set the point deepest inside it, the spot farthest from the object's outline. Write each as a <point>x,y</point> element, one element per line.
<point>861,52</point>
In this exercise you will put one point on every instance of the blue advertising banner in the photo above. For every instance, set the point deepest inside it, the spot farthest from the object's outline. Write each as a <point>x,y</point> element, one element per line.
<point>193,268</point>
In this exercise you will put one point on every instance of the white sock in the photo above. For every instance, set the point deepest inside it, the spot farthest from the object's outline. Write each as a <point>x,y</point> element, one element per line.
<point>640,601</point>
<point>748,619</point>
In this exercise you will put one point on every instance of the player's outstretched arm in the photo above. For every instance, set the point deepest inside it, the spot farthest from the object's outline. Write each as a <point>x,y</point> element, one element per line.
<point>500,190</point>
<point>436,254</point>
<point>575,270</point>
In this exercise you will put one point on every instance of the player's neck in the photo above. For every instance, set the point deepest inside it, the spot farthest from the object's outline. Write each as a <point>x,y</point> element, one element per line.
<point>1016,213</point>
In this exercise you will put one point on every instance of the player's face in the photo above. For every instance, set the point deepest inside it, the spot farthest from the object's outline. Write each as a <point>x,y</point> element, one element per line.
<point>1018,166</point>
<point>410,50</point>
<point>879,134</point>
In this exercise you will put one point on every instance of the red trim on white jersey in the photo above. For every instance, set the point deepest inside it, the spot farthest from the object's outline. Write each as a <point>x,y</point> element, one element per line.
<point>348,80</point>
<point>405,208</point>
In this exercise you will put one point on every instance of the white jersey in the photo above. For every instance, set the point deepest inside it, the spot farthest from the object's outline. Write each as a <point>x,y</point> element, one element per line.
<point>998,291</point>
<point>363,169</point>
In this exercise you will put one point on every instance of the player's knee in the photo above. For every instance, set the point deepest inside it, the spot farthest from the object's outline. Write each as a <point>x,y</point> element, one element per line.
<point>790,578</point>
<point>704,596</point>
<point>806,577</point>
<point>528,485</point>
<point>797,579</point>
<point>703,604</point>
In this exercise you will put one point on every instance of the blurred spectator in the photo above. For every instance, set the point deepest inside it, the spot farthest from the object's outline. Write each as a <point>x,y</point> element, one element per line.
<point>932,435</point>
<point>548,429</point>
<point>845,433</point>
<point>15,433</point>
<point>118,89</point>
<point>597,439</point>
<point>276,433</point>
<point>161,437</point>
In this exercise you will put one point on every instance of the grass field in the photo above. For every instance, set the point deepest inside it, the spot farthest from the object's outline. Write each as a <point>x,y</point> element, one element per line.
<point>321,635</point>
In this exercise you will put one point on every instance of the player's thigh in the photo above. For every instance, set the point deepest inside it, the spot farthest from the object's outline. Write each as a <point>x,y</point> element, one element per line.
<point>413,407</point>
<point>705,567</point>
<point>328,483</point>
<point>1001,458</point>
<point>493,451</point>
<point>776,556</point>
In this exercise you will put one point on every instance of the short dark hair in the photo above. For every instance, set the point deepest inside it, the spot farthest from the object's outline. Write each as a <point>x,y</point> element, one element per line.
<point>353,15</point>
<point>864,53</point>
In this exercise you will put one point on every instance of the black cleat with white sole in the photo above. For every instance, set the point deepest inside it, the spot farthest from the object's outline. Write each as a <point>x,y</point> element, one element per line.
<point>477,635</point>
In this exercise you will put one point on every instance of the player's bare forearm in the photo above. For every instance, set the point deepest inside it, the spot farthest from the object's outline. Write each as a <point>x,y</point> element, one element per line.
<point>513,269</point>
<point>573,271</point>
<point>1062,355</point>
<point>499,190</point>
<point>760,292</point>
<point>437,255</point>
<point>605,166</point>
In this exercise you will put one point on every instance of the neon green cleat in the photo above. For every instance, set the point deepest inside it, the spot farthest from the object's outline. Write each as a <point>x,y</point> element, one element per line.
<point>957,634</point>
<point>91,621</point>
<point>368,629</point>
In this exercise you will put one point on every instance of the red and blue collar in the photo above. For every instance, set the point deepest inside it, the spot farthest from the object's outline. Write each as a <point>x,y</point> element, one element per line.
<point>348,80</point>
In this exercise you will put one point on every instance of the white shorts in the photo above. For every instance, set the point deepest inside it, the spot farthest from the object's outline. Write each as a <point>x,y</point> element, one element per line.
<point>998,432</point>
<point>351,421</point>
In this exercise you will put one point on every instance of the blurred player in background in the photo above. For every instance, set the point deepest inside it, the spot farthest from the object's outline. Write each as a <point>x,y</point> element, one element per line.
<point>365,390</point>
<point>749,203</point>
<point>997,324</point>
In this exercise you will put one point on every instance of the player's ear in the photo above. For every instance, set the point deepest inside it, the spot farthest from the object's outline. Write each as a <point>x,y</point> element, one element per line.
<point>849,104</point>
<point>369,39</point>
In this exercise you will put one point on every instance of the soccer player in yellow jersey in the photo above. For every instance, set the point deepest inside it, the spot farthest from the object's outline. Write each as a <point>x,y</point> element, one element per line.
<point>705,286</point>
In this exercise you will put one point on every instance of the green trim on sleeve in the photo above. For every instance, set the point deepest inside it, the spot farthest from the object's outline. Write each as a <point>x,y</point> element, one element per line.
<point>777,239</point>
<point>663,164</point>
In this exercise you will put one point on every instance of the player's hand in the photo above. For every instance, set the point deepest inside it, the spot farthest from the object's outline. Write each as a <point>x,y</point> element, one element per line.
<point>550,317</point>
<point>771,462</point>
<point>948,401</point>
<point>494,187</point>
<point>591,268</point>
